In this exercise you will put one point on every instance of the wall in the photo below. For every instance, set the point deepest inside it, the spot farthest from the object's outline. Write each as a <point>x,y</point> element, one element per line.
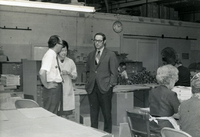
<point>78,29</point>
<point>195,51</point>
<point>181,46</point>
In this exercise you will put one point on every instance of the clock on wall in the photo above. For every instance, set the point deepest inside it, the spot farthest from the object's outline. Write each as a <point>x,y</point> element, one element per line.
<point>117,26</point>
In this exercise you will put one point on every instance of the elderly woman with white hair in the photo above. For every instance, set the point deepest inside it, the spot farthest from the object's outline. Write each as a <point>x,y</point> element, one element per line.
<point>163,102</point>
<point>190,110</point>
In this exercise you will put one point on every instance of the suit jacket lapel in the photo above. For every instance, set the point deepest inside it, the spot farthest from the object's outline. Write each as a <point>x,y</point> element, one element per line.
<point>93,58</point>
<point>102,56</point>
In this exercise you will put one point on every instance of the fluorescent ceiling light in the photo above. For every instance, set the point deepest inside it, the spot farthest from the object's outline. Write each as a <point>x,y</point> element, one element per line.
<point>45,5</point>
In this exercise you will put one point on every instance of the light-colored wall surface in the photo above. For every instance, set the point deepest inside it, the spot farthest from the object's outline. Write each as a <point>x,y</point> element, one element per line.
<point>79,28</point>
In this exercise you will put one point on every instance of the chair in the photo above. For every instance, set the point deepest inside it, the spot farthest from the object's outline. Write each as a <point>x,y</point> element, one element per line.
<point>26,103</point>
<point>138,122</point>
<point>170,132</point>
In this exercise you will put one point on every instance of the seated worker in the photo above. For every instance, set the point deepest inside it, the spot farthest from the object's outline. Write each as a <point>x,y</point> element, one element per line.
<point>189,110</point>
<point>169,56</point>
<point>123,76</point>
<point>163,102</point>
<point>184,75</point>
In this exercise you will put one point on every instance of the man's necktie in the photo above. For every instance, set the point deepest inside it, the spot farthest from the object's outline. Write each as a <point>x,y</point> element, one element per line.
<point>97,57</point>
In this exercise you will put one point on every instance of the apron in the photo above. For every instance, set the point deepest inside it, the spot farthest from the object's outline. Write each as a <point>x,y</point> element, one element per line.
<point>170,119</point>
<point>68,94</point>
<point>68,90</point>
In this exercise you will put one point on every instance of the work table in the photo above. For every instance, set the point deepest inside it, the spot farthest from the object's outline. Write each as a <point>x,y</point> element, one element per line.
<point>131,88</point>
<point>123,99</point>
<point>120,88</point>
<point>36,122</point>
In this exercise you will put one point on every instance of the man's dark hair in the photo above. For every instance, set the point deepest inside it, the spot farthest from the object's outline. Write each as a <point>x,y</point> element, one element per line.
<point>53,40</point>
<point>103,35</point>
<point>122,64</point>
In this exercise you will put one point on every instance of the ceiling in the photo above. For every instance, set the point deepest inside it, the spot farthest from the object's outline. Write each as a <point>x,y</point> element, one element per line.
<point>188,10</point>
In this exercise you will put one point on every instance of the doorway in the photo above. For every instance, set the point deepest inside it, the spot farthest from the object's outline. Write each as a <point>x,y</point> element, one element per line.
<point>142,50</point>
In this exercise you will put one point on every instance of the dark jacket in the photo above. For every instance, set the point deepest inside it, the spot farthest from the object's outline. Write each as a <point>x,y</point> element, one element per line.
<point>163,103</point>
<point>190,116</point>
<point>183,77</point>
<point>105,73</point>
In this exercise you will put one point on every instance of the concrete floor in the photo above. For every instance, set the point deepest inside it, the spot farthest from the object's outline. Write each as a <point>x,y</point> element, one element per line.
<point>118,131</point>
<point>115,129</point>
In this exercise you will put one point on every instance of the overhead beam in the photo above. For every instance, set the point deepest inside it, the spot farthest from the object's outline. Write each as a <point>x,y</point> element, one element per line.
<point>122,4</point>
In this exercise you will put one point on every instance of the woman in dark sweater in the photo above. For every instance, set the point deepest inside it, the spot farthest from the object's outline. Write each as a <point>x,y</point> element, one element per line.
<point>163,102</point>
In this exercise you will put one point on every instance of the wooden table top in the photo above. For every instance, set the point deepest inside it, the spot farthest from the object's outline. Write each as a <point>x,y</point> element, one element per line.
<point>132,88</point>
<point>38,122</point>
<point>120,88</point>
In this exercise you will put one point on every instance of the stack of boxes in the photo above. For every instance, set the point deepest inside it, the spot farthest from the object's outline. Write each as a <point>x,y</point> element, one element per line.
<point>10,81</point>
<point>149,10</point>
<point>158,11</point>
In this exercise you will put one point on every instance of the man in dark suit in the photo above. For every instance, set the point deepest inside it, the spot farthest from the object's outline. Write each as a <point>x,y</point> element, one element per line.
<point>101,71</point>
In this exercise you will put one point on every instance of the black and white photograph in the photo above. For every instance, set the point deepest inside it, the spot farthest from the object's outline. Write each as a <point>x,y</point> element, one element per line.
<point>99,68</point>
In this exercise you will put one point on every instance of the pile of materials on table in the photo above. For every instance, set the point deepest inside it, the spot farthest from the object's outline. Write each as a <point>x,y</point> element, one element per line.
<point>142,77</point>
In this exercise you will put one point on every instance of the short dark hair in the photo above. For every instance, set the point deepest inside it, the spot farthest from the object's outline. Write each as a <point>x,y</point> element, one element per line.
<point>65,44</point>
<point>103,35</point>
<point>53,40</point>
<point>122,64</point>
<point>169,55</point>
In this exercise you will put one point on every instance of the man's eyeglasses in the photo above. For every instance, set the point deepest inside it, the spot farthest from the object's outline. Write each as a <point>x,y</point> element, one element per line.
<point>98,41</point>
<point>196,77</point>
<point>60,44</point>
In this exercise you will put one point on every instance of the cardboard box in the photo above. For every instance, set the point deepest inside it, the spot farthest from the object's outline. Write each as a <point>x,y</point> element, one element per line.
<point>124,130</point>
<point>147,10</point>
<point>85,119</point>
<point>176,15</point>
<point>171,13</point>
<point>77,108</point>
<point>120,103</point>
<point>154,10</point>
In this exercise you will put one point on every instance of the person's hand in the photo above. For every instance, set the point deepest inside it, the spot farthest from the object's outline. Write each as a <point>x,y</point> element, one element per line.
<point>64,72</point>
<point>51,85</point>
<point>112,85</point>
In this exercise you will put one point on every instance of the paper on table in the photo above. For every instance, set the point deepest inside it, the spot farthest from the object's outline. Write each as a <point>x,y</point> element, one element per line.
<point>152,85</point>
<point>183,93</point>
<point>145,109</point>
<point>3,116</point>
<point>36,112</point>
<point>129,88</point>
<point>80,91</point>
